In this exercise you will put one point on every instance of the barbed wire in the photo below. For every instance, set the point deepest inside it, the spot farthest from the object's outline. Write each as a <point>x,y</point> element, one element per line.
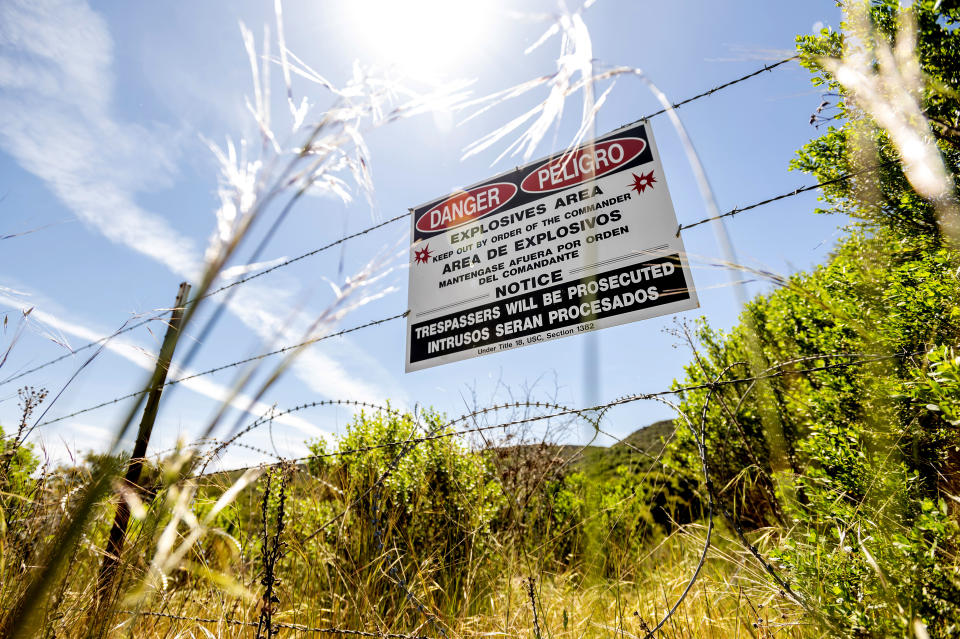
<point>292,260</point>
<point>393,572</point>
<point>223,367</point>
<point>397,218</point>
<point>277,624</point>
<point>712,386</point>
<point>734,521</point>
<point>437,432</point>
<point>74,351</point>
<point>777,370</point>
<point>677,105</point>
<point>371,323</point>
<point>441,435</point>
<point>242,280</point>
<point>797,191</point>
<point>272,415</point>
<point>699,439</point>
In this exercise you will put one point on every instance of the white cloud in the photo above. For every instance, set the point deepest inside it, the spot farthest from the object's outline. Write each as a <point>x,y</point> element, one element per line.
<point>63,40</point>
<point>317,369</point>
<point>99,433</point>
<point>59,126</point>
<point>140,357</point>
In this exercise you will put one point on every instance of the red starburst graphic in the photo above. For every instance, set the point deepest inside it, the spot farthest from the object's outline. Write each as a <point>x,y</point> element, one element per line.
<point>422,256</point>
<point>641,182</point>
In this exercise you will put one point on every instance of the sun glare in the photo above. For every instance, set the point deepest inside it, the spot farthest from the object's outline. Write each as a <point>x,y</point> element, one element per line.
<point>427,40</point>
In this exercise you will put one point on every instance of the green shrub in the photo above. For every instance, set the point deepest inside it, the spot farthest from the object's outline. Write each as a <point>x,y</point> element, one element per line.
<point>414,518</point>
<point>854,465</point>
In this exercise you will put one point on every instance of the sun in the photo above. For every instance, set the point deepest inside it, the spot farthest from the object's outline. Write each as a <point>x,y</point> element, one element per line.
<point>427,40</point>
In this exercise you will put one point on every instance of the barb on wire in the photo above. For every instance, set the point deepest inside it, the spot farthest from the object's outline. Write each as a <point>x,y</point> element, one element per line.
<point>533,605</point>
<point>270,553</point>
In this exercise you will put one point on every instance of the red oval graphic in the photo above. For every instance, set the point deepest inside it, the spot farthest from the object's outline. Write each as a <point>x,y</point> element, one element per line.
<point>583,164</point>
<point>466,206</point>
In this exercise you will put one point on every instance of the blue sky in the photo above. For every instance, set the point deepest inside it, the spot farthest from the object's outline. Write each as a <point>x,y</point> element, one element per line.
<point>107,109</point>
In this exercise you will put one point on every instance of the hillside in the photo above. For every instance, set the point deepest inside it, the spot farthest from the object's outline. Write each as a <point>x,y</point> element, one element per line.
<point>639,449</point>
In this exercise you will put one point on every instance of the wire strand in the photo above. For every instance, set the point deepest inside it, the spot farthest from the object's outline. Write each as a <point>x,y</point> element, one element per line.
<point>223,367</point>
<point>564,412</point>
<point>244,280</point>
<point>680,228</point>
<point>769,67</point>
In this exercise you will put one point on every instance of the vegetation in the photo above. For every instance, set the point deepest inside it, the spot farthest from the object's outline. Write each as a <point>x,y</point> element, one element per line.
<point>853,465</point>
<point>403,538</point>
<point>810,485</point>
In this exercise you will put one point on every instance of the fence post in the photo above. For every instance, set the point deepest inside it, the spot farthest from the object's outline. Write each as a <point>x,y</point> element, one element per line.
<point>111,558</point>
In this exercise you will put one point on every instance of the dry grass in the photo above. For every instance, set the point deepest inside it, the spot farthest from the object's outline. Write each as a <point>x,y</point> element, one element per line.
<point>197,551</point>
<point>196,548</point>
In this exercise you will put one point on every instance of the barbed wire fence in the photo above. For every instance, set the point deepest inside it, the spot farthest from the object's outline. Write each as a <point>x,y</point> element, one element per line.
<point>273,546</point>
<point>447,429</point>
<point>127,327</point>
<point>383,320</point>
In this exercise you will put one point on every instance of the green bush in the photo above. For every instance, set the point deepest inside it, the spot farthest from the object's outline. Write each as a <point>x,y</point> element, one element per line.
<point>414,517</point>
<point>596,523</point>
<point>17,465</point>
<point>856,464</point>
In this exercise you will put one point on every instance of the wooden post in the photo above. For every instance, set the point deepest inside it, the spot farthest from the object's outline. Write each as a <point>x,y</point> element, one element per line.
<point>118,532</point>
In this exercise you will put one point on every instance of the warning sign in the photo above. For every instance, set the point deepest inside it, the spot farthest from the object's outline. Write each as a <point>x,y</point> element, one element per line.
<point>572,243</point>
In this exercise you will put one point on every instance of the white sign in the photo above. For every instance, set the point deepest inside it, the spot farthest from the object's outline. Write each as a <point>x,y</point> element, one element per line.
<point>572,243</point>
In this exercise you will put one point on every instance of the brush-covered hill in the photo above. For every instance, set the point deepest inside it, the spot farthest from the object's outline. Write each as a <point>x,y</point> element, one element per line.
<point>638,450</point>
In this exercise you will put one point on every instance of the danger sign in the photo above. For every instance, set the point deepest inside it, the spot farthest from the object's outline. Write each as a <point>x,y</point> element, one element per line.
<point>572,243</point>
